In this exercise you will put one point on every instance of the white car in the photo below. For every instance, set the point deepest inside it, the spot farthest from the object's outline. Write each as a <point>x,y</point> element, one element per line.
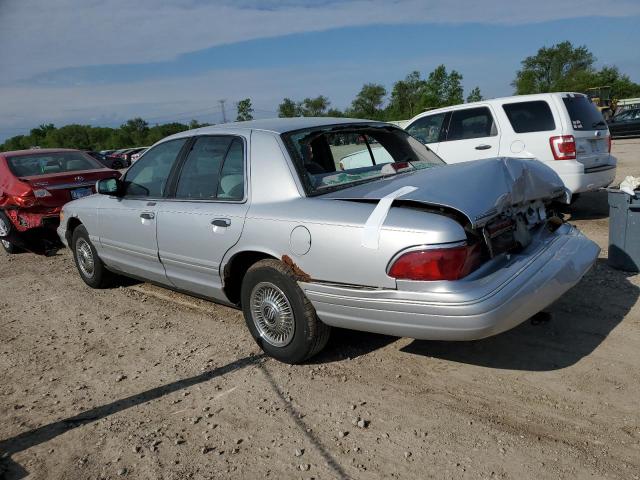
<point>137,155</point>
<point>564,130</point>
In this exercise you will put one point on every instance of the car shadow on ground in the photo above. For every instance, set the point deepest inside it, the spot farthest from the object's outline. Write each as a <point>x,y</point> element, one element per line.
<point>580,320</point>
<point>588,206</point>
<point>350,344</point>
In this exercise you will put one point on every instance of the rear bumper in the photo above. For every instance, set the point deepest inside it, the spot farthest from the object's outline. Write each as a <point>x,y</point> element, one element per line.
<point>487,303</point>
<point>23,219</point>
<point>579,180</point>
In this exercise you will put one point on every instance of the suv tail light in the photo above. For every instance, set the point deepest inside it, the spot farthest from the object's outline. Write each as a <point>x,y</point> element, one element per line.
<point>450,263</point>
<point>563,147</point>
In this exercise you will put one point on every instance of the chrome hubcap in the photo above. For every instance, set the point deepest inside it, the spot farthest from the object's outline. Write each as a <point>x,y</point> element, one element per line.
<point>85,257</point>
<point>5,243</point>
<point>272,314</point>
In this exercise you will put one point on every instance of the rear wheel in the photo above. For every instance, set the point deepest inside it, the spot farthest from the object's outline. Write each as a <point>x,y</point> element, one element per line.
<point>6,228</point>
<point>91,269</point>
<point>279,316</point>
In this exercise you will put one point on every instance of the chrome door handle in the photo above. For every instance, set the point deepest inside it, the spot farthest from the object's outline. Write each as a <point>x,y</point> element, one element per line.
<point>221,222</point>
<point>148,215</point>
<point>483,147</point>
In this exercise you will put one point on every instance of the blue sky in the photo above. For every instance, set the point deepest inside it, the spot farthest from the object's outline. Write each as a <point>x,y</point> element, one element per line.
<point>103,61</point>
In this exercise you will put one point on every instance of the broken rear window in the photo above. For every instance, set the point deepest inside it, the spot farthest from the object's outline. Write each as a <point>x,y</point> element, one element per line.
<point>332,158</point>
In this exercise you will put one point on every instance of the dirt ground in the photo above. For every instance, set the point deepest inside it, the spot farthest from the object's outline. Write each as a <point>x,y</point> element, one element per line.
<point>140,382</point>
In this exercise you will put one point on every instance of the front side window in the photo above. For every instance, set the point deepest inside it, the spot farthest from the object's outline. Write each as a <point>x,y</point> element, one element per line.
<point>427,129</point>
<point>471,123</point>
<point>213,170</point>
<point>148,176</point>
<point>46,163</point>
<point>527,117</point>
<point>335,157</point>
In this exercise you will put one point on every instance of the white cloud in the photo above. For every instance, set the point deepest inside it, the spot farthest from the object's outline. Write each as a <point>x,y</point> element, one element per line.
<point>39,35</point>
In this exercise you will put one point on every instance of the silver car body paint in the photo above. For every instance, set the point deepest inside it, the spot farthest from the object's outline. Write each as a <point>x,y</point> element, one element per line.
<point>349,286</point>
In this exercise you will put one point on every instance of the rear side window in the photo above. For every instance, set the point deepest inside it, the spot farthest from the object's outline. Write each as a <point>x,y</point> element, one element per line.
<point>213,170</point>
<point>584,114</point>
<point>471,123</point>
<point>427,129</point>
<point>527,117</point>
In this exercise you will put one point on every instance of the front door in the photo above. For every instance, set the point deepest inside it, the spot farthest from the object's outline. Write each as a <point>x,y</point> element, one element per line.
<point>204,216</point>
<point>127,224</point>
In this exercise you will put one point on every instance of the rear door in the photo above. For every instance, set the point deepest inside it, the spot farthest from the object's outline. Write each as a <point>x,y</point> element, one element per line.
<point>471,134</point>
<point>429,129</point>
<point>533,122</point>
<point>127,224</point>
<point>204,216</point>
<point>589,129</point>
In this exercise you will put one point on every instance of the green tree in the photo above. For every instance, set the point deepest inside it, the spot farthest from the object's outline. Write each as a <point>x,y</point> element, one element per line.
<point>406,97</point>
<point>288,108</point>
<point>474,95</point>
<point>134,131</point>
<point>442,88</point>
<point>557,68</point>
<point>368,102</point>
<point>314,107</point>
<point>245,110</point>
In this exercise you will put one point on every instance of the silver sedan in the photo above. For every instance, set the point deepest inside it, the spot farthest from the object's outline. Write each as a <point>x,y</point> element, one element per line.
<point>267,217</point>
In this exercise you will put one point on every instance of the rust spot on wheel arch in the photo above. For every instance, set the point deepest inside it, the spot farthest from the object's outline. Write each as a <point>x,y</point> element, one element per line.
<point>300,274</point>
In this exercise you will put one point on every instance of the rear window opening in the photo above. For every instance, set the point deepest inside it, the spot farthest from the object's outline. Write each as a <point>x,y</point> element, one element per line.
<point>584,114</point>
<point>527,117</point>
<point>333,158</point>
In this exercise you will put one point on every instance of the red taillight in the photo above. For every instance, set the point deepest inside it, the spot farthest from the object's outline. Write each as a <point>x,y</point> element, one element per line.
<point>563,147</point>
<point>437,264</point>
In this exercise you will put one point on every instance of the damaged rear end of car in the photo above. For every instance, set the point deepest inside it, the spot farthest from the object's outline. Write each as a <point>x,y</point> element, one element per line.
<point>507,255</point>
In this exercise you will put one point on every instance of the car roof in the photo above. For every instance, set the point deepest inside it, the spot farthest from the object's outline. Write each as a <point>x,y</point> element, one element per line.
<point>32,151</point>
<point>274,125</point>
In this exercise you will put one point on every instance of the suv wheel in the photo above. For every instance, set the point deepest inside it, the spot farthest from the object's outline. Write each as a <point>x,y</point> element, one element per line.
<point>279,316</point>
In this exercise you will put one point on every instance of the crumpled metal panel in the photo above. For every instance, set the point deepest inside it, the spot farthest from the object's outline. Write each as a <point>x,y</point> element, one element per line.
<point>480,189</point>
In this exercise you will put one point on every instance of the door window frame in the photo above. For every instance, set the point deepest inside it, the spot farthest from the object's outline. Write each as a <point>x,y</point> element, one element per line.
<point>174,176</point>
<point>167,183</point>
<point>445,133</point>
<point>443,127</point>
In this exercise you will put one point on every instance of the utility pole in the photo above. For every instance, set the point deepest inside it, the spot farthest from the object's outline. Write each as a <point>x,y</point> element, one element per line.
<point>224,114</point>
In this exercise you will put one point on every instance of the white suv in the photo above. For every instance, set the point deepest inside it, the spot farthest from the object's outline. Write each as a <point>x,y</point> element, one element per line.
<point>564,130</point>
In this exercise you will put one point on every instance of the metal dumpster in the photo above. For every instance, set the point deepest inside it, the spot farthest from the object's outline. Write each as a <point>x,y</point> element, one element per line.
<point>624,230</point>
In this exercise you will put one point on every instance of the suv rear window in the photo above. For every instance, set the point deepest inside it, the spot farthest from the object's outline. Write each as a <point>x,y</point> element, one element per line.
<point>584,114</point>
<point>526,117</point>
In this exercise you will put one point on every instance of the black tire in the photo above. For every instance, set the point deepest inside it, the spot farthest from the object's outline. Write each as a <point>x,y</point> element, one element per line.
<point>309,334</point>
<point>8,227</point>
<point>97,276</point>
<point>117,165</point>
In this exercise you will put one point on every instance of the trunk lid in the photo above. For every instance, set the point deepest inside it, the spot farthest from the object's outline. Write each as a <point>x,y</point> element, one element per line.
<point>67,186</point>
<point>480,190</point>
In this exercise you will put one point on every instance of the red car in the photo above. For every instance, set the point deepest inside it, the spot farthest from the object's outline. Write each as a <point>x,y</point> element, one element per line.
<point>34,185</point>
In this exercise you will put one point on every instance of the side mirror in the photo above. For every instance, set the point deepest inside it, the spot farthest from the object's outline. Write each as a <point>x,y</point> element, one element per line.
<point>108,186</point>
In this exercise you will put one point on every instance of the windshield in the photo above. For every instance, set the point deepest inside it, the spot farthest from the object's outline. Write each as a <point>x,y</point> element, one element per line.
<point>46,163</point>
<point>332,158</point>
<point>584,114</point>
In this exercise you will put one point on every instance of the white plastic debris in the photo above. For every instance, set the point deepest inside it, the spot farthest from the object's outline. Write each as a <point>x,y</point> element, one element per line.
<point>629,184</point>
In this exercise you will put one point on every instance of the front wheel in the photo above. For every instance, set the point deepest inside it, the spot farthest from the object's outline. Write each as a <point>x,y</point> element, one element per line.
<point>279,316</point>
<point>91,269</point>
